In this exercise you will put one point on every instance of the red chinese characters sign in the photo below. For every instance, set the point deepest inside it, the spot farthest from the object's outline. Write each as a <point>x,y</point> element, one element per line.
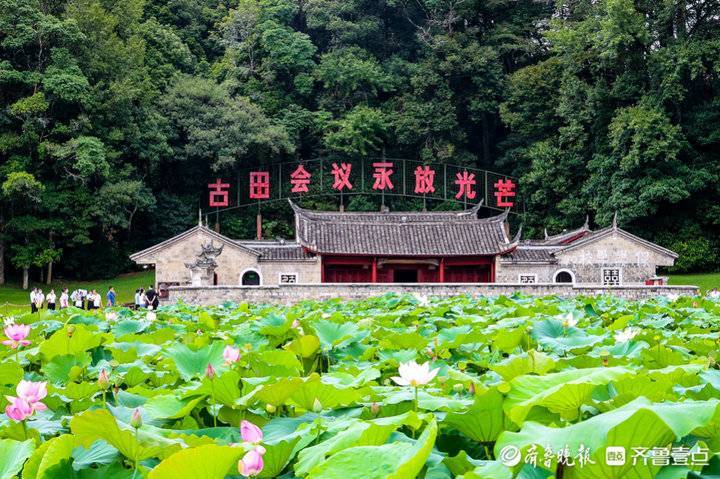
<point>396,177</point>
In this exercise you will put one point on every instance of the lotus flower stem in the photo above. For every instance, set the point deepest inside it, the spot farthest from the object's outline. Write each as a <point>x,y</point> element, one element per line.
<point>25,430</point>
<point>416,398</point>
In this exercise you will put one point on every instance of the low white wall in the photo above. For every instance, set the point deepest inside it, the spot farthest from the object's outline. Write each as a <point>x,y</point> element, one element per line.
<point>286,294</point>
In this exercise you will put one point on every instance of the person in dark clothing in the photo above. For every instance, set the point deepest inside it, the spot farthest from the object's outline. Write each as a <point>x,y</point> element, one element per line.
<point>152,297</point>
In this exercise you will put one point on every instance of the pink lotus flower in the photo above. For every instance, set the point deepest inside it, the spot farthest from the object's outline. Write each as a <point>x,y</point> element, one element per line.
<point>32,392</point>
<point>16,334</point>
<point>231,355</point>
<point>103,379</point>
<point>250,432</point>
<point>136,419</point>
<point>414,374</point>
<point>251,464</point>
<point>18,409</point>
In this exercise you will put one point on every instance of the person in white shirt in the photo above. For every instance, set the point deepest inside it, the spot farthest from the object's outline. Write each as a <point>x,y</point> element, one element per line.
<point>33,307</point>
<point>39,299</point>
<point>96,300</point>
<point>64,299</point>
<point>77,299</point>
<point>51,298</point>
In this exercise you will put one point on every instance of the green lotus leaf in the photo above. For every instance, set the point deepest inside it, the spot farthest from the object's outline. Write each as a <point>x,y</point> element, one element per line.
<point>639,424</point>
<point>63,342</point>
<point>13,455</point>
<point>168,406</point>
<point>328,395</point>
<point>305,346</point>
<point>332,335</point>
<point>563,392</point>
<point>358,433</point>
<point>99,453</point>
<point>58,368</point>
<point>203,462</point>
<point>397,460</point>
<point>10,373</point>
<point>532,362</point>
<point>49,455</point>
<point>552,335</point>
<point>483,421</point>
<point>193,363</point>
<point>90,426</point>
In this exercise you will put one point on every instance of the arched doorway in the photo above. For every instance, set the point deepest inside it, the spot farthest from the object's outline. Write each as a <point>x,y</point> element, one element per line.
<point>564,276</point>
<point>250,278</point>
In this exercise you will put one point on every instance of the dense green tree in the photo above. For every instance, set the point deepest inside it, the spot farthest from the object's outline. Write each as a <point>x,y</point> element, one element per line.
<point>115,113</point>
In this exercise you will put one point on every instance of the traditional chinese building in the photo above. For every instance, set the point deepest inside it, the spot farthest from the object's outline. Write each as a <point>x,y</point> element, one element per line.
<point>406,247</point>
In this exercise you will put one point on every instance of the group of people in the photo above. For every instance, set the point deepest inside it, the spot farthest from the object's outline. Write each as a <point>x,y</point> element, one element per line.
<point>147,298</point>
<point>80,298</point>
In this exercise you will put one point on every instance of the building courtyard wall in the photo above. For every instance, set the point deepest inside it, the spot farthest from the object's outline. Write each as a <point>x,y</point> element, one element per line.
<point>288,294</point>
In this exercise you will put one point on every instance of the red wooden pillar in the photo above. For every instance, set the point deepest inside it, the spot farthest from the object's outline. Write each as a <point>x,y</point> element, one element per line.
<point>322,270</point>
<point>442,270</point>
<point>373,276</point>
<point>492,270</point>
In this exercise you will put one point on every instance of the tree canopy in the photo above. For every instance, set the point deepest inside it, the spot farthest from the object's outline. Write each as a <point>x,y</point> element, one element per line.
<point>114,113</point>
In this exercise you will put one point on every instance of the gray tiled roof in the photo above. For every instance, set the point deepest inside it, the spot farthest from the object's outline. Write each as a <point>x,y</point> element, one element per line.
<point>530,254</point>
<point>275,250</point>
<point>401,234</point>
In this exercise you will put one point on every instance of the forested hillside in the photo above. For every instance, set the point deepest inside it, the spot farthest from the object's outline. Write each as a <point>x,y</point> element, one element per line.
<point>114,113</point>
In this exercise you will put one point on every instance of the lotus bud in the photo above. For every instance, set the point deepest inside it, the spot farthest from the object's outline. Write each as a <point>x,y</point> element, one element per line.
<point>317,405</point>
<point>70,331</point>
<point>103,379</point>
<point>458,388</point>
<point>605,356</point>
<point>210,372</point>
<point>114,363</point>
<point>462,365</point>
<point>250,432</point>
<point>136,419</point>
<point>270,408</point>
<point>471,389</point>
<point>251,464</point>
<point>116,390</point>
<point>375,408</point>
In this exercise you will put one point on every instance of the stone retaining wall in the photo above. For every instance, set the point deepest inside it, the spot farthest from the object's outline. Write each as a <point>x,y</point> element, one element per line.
<point>286,294</point>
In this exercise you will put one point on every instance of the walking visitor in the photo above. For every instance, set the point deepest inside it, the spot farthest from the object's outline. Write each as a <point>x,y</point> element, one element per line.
<point>39,300</point>
<point>51,298</point>
<point>111,297</point>
<point>64,299</point>
<point>33,307</point>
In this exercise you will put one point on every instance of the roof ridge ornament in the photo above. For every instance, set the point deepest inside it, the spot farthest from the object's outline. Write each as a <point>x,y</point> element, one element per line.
<point>615,223</point>
<point>586,225</point>
<point>547,236</point>
<point>474,210</point>
<point>200,217</point>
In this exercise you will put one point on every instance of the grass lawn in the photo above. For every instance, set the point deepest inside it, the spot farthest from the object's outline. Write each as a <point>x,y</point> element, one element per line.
<point>125,286</point>
<point>706,281</point>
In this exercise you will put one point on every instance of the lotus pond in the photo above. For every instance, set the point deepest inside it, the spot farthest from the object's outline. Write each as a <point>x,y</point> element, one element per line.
<point>391,387</point>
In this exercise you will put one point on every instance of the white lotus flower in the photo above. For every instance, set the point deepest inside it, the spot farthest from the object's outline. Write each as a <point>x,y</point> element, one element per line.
<point>569,321</point>
<point>111,316</point>
<point>414,374</point>
<point>625,335</point>
<point>151,316</point>
<point>672,296</point>
<point>422,300</point>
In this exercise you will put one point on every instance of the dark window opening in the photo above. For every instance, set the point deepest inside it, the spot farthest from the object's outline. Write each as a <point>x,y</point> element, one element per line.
<point>250,278</point>
<point>563,277</point>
